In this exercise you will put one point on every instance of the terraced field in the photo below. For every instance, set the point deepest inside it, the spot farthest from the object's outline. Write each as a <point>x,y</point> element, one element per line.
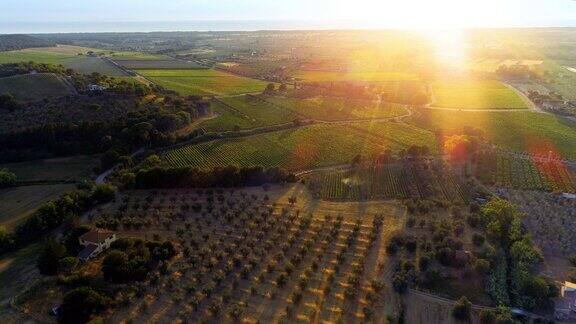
<point>203,82</point>
<point>302,148</point>
<point>516,131</point>
<point>466,94</point>
<point>32,87</point>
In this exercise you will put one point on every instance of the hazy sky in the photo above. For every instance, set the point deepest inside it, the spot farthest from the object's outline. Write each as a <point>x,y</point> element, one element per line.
<point>33,14</point>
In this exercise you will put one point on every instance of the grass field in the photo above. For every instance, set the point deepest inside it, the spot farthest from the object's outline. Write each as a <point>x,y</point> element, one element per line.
<point>50,55</point>
<point>329,108</point>
<point>20,202</point>
<point>517,131</point>
<point>203,82</point>
<point>303,148</point>
<point>32,87</point>
<point>326,76</point>
<point>58,169</point>
<point>475,95</point>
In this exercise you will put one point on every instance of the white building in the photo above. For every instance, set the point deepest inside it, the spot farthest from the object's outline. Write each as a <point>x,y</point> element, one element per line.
<point>95,242</point>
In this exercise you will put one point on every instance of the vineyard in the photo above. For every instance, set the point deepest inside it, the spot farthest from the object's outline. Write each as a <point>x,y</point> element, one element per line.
<point>475,95</point>
<point>250,256</point>
<point>510,171</point>
<point>203,82</point>
<point>390,181</point>
<point>531,131</point>
<point>331,108</point>
<point>302,148</point>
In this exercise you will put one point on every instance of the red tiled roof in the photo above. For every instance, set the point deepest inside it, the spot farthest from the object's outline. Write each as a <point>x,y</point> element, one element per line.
<point>96,236</point>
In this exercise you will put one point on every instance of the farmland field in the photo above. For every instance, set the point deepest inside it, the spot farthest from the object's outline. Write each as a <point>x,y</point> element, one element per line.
<point>389,181</point>
<point>227,120</point>
<point>156,64</point>
<point>326,76</point>
<point>475,95</point>
<point>32,87</point>
<point>517,131</point>
<point>20,202</point>
<point>303,148</point>
<point>327,108</point>
<point>203,82</point>
<point>51,55</point>
<point>57,169</point>
<point>88,65</point>
<point>281,260</point>
<point>505,170</point>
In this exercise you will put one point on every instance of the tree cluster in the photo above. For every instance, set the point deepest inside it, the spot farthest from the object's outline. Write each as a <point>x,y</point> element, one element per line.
<point>189,177</point>
<point>55,213</point>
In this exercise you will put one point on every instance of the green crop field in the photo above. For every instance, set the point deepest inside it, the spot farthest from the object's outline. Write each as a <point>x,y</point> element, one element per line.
<point>327,76</point>
<point>31,87</point>
<point>302,148</point>
<point>227,120</point>
<point>329,108</point>
<point>475,95</point>
<point>517,131</point>
<point>50,55</point>
<point>203,82</point>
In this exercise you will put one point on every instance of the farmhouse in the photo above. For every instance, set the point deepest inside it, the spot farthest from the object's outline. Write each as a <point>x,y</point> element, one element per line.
<point>94,243</point>
<point>565,306</point>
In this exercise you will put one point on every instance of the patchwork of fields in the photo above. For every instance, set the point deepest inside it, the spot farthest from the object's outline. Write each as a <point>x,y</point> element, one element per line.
<point>31,87</point>
<point>475,95</point>
<point>203,82</point>
<point>303,148</point>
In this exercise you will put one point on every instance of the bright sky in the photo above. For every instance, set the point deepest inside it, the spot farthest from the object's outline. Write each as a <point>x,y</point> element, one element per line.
<point>358,13</point>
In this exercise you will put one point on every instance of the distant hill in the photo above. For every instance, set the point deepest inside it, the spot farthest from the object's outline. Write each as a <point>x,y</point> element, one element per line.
<point>18,42</point>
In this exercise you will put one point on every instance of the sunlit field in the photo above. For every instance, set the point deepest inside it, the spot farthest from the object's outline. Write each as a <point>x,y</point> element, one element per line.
<point>367,76</point>
<point>203,82</point>
<point>468,94</point>
<point>303,148</point>
<point>517,131</point>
